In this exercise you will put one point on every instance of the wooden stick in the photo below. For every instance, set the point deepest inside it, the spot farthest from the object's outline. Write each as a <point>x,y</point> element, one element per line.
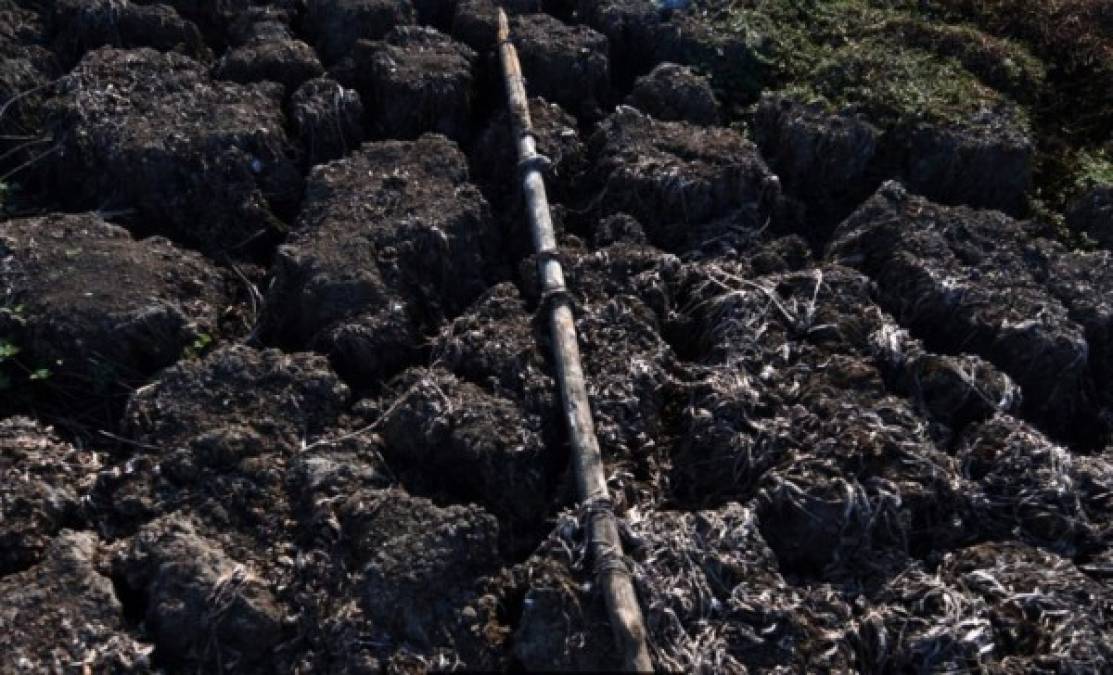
<point>611,571</point>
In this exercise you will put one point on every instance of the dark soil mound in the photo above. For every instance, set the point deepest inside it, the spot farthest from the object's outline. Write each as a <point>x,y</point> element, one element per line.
<point>970,281</point>
<point>1029,485</point>
<point>675,93</point>
<point>214,435</point>
<point>419,566</point>
<point>201,606</point>
<point>42,478</point>
<point>448,436</point>
<point>495,154</point>
<point>1092,212</point>
<point>80,26</point>
<point>288,62</point>
<point>568,65</point>
<point>824,159</point>
<point>328,120</point>
<point>844,482</point>
<point>27,72</point>
<point>64,613</point>
<point>336,25</point>
<point>357,278</point>
<point>416,80</point>
<point>96,309</point>
<point>214,154</point>
<point>832,160</point>
<point>475,22</point>
<point>674,176</point>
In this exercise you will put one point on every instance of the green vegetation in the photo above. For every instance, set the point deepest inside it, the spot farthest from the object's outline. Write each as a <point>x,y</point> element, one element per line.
<point>198,347</point>
<point>1094,168</point>
<point>1047,64</point>
<point>13,371</point>
<point>893,86</point>
<point>880,57</point>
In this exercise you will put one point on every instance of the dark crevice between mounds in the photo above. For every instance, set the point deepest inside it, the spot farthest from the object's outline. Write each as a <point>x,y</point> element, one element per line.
<point>134,603</point>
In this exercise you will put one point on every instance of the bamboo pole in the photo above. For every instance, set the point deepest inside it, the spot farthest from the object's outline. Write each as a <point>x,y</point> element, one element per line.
<point>611,572</point>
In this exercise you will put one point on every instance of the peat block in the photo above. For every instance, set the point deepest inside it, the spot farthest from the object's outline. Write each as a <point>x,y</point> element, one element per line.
<point>971,281</point>
<point>675,93</point>
<point>328,120</point>
<point>79,26</point>
<point>202,608</point>
<point>418,80</point>
<point>391,241</point>
<point>97,308</point>
<point>478,447</point>
<point>286,61</point>
<point>673,176</point>
<point>566,64</point>
<point>41,478</point>
<point>206,162</point>
<point>65,611</point>
<point>336,25</point>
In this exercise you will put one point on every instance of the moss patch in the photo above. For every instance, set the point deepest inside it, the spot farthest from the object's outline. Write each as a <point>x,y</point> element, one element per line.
<point>893,85</point>
<point>1094,168</point>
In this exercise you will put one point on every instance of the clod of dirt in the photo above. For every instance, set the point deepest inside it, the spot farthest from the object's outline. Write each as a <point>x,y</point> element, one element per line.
<point>673,176</point>
<point>447,436</point>
<point>1092,212</point>
<point>714,599</point>
<point>633,28</point>
<point>213,18</point>
<point>951,390</point>
<point>986,162</point>
<point>1003,607</point>
<point>95,308</point>
<point>336,25</point>
<point>566,64</point>
<point>969,281</point>
<point>203,608</point>
<point>321,477</point>
<point>824,159</point>
<point>286,61</point>
<point>215,434</point>
<point>261,24</point>
<point>63,613</point>
<point>475,22</point>
<point>80,26</point>
<point>1031,486</point>
<point>390,241</point>
<point>789,403</point>
<point>214,155</point>
<point>675,93</point>
<point>328,120</point>
<point>419,564</point>
<point>496,344</point>
<point>284,398</point>
<point>629,366</point>
<point>736,60</point>
<point>418,80</point>
<point>563,624</point>
<point>618,228</point>
<point>41,478</point>
<point>26,75</point>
